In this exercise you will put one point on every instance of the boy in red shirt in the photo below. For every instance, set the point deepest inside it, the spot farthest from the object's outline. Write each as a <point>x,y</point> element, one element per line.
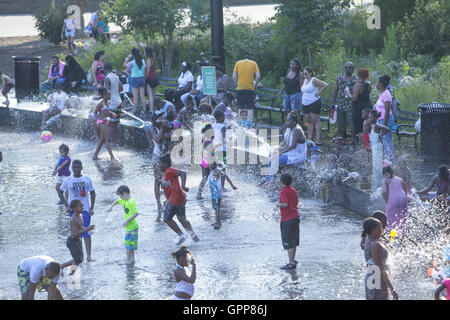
<point>290,220</point>
<point>176,199</point>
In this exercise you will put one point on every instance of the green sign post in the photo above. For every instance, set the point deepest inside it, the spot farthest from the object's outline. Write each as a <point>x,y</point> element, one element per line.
<point>209,80</point>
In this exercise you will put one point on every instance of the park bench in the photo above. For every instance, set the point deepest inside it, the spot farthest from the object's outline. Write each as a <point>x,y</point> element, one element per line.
<point>406,126</point>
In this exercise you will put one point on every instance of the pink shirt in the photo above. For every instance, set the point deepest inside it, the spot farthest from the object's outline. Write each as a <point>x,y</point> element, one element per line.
<point>447,285</point>
<point>385,96</point>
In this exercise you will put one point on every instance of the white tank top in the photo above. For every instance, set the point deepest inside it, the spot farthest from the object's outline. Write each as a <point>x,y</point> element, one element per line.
<point>308,93</point>
<point>298,154</point>
<point>218,139</point>
<point>114,90</point>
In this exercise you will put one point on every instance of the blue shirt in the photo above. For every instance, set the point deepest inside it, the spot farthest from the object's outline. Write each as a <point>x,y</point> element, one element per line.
<point>65,171</point>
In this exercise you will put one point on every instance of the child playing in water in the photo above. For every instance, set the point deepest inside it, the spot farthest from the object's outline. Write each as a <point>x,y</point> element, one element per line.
<point>243,121</point>
<point>185,116</point>
<point>176,199</point>
<point>130,223</point>
<point>5,85</point>
<point>290,220</point>
<point>403,172</point>
<point>328,177</point>
<point>215,187</point>
<point>209,153</point>
<point>380,216</point>
<point>185,280</point>
<point>58,101</point>
<point>74,240</point>
<point>63,169</point>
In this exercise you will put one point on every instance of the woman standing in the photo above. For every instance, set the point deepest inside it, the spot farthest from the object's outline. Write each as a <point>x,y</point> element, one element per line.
<point>386,118</point>
<point>395,195</point>
<point>151,80</point>
<point>184,278</point>
<point>312,88</point>
<point>376,281</point>
<point>102,112</point>
<point>97,68</point>
<point>360,100</point>
<point>136,64</point>
<point>376,132</point>
<point>292,86</point>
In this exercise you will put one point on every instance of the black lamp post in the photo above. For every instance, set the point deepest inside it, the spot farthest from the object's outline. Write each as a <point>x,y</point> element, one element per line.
<point>217,36</point>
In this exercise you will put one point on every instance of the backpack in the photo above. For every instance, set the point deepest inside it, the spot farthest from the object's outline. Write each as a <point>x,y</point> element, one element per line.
<point>395,107</point>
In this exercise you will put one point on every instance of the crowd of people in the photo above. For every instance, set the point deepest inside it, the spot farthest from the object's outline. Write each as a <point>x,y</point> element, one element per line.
<point>370,136</point>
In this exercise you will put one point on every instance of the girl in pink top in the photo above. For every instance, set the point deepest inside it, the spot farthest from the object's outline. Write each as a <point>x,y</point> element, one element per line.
<point>383,106</point>
<point>395,194</point>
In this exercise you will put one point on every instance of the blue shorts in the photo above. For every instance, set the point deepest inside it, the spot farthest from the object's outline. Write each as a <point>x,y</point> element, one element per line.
<point>131,239</point>
<point>86,222</point>
<point>138,82</point>
<point>292,102</point>
<point>70,33</point>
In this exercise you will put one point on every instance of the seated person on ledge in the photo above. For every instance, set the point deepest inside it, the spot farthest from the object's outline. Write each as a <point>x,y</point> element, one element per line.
<point>55,74</point>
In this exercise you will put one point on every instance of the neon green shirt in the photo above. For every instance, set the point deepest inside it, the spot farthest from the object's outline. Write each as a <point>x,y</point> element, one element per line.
<point>130,209</point>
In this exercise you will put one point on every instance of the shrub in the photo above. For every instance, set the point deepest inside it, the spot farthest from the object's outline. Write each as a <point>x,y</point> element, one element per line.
<point>49,23</point>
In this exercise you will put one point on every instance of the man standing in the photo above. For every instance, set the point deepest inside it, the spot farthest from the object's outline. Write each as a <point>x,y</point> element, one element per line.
<point>343,81</point>
<point>115,87</point>
<point>78,187</point>
<point>246,76</point>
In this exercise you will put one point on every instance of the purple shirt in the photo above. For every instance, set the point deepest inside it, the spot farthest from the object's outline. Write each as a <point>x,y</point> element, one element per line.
<point>65,171</point>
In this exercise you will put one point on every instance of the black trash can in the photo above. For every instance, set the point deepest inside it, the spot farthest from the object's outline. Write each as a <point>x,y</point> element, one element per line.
<point>26,70</point>
<point>434,132</point>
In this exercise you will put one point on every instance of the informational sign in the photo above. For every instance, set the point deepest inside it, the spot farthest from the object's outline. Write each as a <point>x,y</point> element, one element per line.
<point>209,80</point>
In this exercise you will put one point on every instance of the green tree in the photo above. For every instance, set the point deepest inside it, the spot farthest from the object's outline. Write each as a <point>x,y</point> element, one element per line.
<point>150,19</point>
<point>391,49</point>
<point>393,11</point>
<point>49,22</point>
<point>427,29</point>
<point>307,20</point>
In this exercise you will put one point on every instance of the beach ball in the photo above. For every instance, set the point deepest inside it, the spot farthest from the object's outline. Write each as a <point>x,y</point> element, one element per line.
<point>46,136</point>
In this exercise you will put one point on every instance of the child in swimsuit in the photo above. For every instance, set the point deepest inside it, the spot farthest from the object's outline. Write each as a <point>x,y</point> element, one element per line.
<point>185,279</point>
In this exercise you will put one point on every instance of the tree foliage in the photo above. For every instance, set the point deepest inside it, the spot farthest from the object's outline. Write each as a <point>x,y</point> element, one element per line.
<point>306,21</point>
<point>150,19</point>
<point>393,11</point>
<point>427,29</point>
<point>49,22</point>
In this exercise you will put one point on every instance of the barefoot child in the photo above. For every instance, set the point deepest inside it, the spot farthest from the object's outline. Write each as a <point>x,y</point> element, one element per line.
<point>130,223</point>
<point>215,187</point>
<point>78,187</point>
<point>176,199</point>
<point>74,240</point>
<point>62,168</point>
<point>208,155</point>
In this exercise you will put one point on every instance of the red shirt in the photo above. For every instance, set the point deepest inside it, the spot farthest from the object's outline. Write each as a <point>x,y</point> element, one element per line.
<point>289,195</point>
<point>174,194</point>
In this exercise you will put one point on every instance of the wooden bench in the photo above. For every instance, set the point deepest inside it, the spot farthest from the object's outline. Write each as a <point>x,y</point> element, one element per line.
<point>266,101</point>
<point>406,121</point>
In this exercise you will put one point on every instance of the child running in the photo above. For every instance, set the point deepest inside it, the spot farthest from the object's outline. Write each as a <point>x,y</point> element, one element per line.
<point>62,168</point>
<point>176,199</point>
<point>209,153</point>
<point>74,240</point>
<point>216,174</point>
<point>130,223</point>
<point>185,279</point>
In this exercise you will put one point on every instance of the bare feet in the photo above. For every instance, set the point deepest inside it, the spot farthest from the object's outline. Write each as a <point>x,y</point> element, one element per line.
<point>90,259</point>
<point>95,157</point>
<point>199,197</point>
<point>217,225</point>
